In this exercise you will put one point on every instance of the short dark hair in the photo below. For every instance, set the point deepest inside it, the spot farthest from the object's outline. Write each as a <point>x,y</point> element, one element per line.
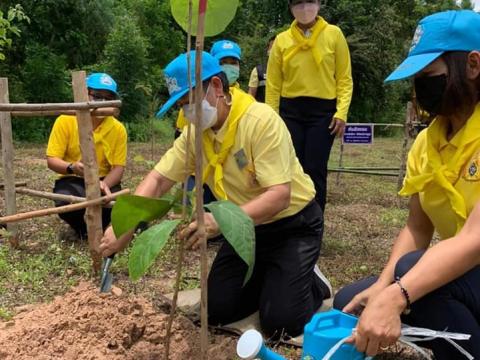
<point>461,94</point>
<point>223,78</point>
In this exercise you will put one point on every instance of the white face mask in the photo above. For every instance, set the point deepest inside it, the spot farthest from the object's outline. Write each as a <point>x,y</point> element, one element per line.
<point>305,13</point>
<point>209,113</point>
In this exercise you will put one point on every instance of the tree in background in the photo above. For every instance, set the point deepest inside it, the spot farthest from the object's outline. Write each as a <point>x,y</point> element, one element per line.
<point>135,39</point>
<point>125,59</point>
<point>7,27</point>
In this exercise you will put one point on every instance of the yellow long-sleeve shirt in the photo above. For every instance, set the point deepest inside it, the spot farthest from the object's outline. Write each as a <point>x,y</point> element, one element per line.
<point>301,75</point>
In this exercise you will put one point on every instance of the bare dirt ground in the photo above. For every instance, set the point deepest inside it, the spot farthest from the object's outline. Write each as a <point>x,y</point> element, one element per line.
<point>362,218</point>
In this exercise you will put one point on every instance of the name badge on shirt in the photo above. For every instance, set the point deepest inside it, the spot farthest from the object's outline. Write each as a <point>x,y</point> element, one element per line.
<point>241,159</point>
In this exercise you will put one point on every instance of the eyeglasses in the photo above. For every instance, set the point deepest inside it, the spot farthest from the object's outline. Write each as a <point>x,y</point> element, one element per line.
<point>101,97</point>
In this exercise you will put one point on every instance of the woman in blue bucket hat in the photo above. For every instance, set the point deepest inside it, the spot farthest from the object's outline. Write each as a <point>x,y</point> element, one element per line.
<point>435,287</point>
<point>250,160</point>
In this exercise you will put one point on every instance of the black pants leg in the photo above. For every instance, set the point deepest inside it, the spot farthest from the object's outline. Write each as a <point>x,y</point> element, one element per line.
<point>283,286</point>
<point>75,186</point>
<point>455,307</point>
<point>308,120</point>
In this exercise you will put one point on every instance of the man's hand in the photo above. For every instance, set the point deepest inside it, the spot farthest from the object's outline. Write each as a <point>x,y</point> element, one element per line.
<point>191,234</point>
<point>78,168</point>
<point>109,244</point>
<point>104,188</point>
<point>338,127</point>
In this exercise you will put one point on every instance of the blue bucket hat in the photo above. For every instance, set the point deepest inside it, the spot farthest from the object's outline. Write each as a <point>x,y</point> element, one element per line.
<point>455,30</point>
<point>226,48</point>
<point>102,81</point>
<point>176,76</point>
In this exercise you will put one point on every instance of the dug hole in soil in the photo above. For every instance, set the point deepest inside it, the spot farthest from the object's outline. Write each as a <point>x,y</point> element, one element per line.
<point>84,324</point>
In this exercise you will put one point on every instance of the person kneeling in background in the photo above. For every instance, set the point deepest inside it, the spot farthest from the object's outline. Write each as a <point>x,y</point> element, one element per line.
<point>65,158</point>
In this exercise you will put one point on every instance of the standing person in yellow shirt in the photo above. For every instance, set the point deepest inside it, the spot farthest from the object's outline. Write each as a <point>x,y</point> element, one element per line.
<point>309,83</point>
<point>64,156</point>
<point>258,77</point>
<point>435,287</point>
<point>250,161</point>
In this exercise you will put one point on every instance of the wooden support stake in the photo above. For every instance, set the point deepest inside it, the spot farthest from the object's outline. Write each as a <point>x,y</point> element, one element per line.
<point>61,209</point>
<point>181,244</point>
<point>7,158</point>
<point>77,105</point>
<point>57,197</point>
<point>17,184</point>
<point>202,9</point>
<point>340,162</point>
<point>93,214</point>
<point>100,112</point>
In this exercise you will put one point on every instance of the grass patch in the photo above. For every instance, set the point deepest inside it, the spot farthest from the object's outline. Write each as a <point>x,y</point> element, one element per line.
<point>394,217</point>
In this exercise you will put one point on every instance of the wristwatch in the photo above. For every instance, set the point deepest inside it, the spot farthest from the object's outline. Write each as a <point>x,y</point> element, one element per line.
<point>70,168</point>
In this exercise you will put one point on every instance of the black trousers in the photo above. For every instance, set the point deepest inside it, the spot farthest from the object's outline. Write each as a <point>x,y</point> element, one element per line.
<point>454,307</point>
<point>75,186</point>
<point>308,120</point>
<point>283,286</point>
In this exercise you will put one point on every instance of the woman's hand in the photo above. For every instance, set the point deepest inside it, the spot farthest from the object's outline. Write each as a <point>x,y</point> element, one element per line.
<point>379,325</point>
<point>337,126</point>
<point>360,301</point>
<point>191,231</point>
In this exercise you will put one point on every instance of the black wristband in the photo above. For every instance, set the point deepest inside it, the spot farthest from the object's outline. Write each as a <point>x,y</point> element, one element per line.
<point>406,295</point>
<point>70,168</point>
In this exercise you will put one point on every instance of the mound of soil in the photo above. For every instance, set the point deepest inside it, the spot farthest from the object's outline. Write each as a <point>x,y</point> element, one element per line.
<point>84,324</point>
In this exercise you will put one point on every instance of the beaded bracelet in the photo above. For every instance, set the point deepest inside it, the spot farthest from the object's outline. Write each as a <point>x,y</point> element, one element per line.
<point>406,295</point>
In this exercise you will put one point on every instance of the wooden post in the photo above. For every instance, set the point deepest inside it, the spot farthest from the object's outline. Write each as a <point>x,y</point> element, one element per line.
<point>93,214</point>
<point>403,163</point>
<point>202,9</point>
<point>340,162</point>
<point>7,158</point>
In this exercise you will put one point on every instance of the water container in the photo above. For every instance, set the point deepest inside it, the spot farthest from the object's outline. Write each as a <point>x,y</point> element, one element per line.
<point>324,331</point>
<point>251,346</point>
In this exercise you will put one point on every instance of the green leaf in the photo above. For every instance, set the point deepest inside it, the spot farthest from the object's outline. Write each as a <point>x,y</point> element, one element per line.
<point>147,246</point>
<point>219,14</point>
<point>130,210</point>
<point>239,230</point>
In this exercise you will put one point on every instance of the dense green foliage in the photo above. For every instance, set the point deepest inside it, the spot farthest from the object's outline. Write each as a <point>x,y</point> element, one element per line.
<point>134,39</point>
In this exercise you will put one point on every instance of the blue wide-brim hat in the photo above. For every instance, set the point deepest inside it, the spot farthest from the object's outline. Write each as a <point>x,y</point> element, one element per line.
<point>102,81</point>
<point>454,30</point>
<point>176,76</point>
<point>226,48</point>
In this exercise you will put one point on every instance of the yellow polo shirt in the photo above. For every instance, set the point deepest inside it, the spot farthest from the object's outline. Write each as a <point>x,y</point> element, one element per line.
<point>110,139</point>
<point>302,76</point>
<point>262,156</point>
<point>435,203</point>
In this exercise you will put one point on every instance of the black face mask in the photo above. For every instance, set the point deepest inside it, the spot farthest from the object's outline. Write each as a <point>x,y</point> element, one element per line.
<point>430,91</point>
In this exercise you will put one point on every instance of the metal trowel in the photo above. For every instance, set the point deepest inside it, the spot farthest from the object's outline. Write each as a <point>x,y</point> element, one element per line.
<point>107,278</point>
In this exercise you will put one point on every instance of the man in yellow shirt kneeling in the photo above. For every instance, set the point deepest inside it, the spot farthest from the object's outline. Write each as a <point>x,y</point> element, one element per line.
<point>250,161</point>
<point>64,156</point>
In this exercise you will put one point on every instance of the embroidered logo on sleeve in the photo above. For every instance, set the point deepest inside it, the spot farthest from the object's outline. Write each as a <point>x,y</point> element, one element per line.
<point>472,171</point>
